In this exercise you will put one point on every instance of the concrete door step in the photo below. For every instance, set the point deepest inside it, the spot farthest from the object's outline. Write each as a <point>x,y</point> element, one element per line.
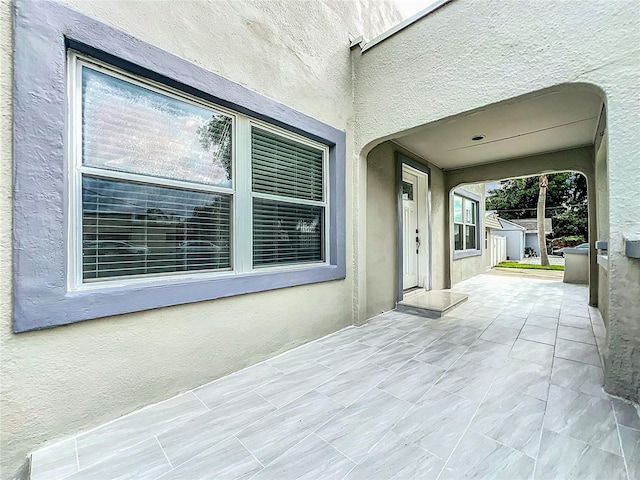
<point>432,303</point>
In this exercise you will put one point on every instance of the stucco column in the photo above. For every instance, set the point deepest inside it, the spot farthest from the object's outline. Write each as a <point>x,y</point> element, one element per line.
<point>593,234</point>
<point>447,241</point>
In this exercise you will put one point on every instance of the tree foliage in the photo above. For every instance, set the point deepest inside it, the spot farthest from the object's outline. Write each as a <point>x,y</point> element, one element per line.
<point>216,135</point>
<point>566,202</point>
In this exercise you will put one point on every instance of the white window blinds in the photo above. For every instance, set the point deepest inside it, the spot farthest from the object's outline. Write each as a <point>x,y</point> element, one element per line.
<point>288,205</point>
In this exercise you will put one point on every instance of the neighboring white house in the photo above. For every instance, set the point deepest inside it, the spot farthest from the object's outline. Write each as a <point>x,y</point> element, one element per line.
<point>515,235</point>
<point>531,231</point>
<point>494,243</point>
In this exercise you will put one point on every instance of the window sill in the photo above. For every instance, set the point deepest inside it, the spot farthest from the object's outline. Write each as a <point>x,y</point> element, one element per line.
<point>63,308</point>
<point>458,254</point>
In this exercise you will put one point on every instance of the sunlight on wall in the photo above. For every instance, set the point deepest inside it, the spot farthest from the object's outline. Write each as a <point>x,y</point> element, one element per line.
<point>411,7</point>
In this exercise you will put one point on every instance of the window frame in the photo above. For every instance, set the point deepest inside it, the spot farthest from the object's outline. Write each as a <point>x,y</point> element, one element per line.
<point>241,207</point>
<point>42,296</point>
<point>466,196</point>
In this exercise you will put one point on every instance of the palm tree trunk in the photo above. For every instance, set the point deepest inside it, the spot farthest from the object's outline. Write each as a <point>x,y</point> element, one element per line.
<point>542,200</point>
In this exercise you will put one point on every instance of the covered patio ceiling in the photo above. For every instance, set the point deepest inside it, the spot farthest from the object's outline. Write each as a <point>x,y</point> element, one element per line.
<point>555,119</point>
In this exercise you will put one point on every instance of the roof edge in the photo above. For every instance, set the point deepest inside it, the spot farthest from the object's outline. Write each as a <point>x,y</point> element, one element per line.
<point>402,25</point>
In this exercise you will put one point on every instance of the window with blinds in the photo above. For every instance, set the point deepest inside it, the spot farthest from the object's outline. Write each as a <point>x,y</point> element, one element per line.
<point>155,192</point>
<point>288,200</point>
<point>155,174</point>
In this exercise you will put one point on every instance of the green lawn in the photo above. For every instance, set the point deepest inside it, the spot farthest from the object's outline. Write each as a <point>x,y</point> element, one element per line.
<point>529,266</point>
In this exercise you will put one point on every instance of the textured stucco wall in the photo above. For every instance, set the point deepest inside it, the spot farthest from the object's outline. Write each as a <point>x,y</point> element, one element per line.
<point>67,379</point>
<point>382,227</point>
<point>473,53</point>
<point>602,185</point>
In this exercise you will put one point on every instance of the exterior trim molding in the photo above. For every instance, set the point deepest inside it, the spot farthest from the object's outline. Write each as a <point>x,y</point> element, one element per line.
<point>401,160</point>
<point>43,31</point>
<point>399,27</point>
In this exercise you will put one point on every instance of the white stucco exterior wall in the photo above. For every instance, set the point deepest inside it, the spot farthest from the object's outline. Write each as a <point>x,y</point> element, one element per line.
<point>67,379</point>
<point>469,54</point>
<point>382,223</point>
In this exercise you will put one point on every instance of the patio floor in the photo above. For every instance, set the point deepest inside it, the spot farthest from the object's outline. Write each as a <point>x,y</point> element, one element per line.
<point>507,386</point>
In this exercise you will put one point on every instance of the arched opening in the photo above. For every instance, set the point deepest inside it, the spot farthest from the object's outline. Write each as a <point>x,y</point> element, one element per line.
<point>553,130</point>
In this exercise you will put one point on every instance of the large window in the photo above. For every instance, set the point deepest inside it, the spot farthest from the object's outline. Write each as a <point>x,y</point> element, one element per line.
<point>465,223</point>
<point>142,180</point>
<point>157,189</point>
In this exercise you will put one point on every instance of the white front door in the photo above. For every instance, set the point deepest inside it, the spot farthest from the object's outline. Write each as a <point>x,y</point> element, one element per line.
<point>411,234</point>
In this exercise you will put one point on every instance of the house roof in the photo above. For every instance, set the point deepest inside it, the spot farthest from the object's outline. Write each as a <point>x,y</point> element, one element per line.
<point>491,221</point>
<point>531,224</point>
<point>364,45</point>
<point>509,225</point>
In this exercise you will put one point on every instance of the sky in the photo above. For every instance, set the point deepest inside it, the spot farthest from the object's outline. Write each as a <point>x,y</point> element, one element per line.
<point>410,7</point>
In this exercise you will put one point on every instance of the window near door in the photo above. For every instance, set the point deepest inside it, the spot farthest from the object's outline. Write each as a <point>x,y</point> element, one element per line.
<point>156,193</point>
<point>465,223</point>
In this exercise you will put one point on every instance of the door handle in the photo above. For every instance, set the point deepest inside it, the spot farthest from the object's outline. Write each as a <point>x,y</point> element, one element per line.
<point>417,243</point>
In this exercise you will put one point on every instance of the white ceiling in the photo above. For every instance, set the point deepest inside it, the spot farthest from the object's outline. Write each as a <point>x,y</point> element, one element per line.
<point>557,119</point>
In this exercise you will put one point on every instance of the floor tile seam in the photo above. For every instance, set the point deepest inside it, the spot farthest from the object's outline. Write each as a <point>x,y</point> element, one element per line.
<point>397,369</point>
<point>114,453</point>
<point>624,455</point>
<point>500,443</point>
<point>406,414</point>
<point>465,431</point>
<point>381,347</point>
<point>312,389</point>
<point>627,426</point>
<point>578,391</point>
<point>446,370</point>
<point>546,407</point>
<point>528,396</point>
<point>578,361</point>
<point>364,360</point>
<point>266,400</point>
<point>433,385</point>
<point>227,435</point>
<point>577,341</point>
<point>430,343</point>
<point>621,454</point>
<point>87,432</point>
<point>539,343</point>
<point>583,442</point>
<point>355,464</point>
<point>163,452</point>
<point>205,451</point>
<point>388,393</point>
<point>235,436</point>
<point>519,332</point>
<point>201,401</point>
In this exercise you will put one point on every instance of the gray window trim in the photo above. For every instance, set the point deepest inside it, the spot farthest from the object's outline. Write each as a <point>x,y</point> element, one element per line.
<point>41,296</point>
<point>458,254</point>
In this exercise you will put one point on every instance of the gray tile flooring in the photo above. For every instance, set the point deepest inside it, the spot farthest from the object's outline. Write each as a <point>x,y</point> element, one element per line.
<point>506,386</point>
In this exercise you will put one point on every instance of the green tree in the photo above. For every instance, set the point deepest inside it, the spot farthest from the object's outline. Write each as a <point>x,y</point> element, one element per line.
<point>566,201</point>
<point>216,134</point>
